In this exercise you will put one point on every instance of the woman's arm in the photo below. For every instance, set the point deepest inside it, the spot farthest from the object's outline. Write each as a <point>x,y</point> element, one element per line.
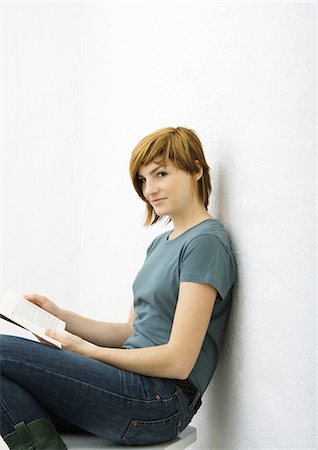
<point>110,334</point>
<point>175,359</point>
<point>99,333</point>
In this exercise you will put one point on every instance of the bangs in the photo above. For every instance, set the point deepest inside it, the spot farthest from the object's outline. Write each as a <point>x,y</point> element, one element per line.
<point>161,148</point>
<point>159,151</point>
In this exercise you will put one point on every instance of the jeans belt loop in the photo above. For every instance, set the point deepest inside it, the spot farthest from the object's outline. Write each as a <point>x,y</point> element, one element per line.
<point>196,402</point>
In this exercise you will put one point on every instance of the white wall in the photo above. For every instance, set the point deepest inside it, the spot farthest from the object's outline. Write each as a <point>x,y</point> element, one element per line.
<point>81,84</point>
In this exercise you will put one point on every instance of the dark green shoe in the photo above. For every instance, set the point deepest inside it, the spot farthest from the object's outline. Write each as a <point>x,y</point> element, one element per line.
<point>37,435</point>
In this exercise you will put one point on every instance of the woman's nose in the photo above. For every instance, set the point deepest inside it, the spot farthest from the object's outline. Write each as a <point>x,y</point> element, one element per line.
<point>150,188</point>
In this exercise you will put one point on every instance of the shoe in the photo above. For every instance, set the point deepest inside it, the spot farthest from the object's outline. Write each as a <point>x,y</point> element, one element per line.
<point>37,435</point>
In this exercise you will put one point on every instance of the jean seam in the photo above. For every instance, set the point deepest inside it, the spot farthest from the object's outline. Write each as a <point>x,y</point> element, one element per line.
<point>155,386</point>
<point>6,410</point>
<point>184,409</point>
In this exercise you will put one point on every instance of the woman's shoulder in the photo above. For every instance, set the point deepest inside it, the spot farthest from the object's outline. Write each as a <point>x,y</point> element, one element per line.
<point>211,227</point>
<point>208,230</point>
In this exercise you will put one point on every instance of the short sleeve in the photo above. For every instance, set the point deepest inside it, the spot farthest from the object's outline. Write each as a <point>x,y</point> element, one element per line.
<point>207,260</point>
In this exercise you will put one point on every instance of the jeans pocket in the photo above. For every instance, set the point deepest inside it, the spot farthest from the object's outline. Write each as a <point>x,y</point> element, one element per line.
<point>146,432</point>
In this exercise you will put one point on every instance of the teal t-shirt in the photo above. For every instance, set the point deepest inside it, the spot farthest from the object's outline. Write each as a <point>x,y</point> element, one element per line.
<point>201,254</point>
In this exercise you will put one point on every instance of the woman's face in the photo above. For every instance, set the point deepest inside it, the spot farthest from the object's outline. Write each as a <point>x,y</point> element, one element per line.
<point>169,189</point>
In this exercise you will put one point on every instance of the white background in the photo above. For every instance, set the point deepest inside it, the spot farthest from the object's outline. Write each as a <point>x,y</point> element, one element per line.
<point>82,83</point>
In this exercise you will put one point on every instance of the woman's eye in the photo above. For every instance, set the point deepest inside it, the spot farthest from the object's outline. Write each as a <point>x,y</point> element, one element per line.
<point>161,174</point>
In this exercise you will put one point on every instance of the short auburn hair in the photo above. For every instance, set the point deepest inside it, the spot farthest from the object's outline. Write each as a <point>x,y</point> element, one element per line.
<point>180,145</point>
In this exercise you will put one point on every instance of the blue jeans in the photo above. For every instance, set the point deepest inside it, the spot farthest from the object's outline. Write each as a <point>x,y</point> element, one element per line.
<point>78,392</point>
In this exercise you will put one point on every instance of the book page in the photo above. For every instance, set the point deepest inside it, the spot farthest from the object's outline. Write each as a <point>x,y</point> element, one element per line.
<point>31,312</point>
<point>30,316</point>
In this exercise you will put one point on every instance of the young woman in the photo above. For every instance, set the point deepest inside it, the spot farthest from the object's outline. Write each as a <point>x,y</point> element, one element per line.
<point>138,382</point>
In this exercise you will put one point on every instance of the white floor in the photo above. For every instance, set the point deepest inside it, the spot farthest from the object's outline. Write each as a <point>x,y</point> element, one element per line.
<point>84,442</point>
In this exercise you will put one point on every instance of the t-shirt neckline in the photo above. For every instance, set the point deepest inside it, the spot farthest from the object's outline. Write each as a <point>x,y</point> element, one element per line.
<point>168,241</point>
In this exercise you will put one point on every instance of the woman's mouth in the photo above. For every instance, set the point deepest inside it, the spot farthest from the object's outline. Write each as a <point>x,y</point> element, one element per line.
<point>157,201</point>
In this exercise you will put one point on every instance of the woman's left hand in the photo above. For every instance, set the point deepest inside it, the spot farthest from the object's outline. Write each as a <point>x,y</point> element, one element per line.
<point>69,341</point>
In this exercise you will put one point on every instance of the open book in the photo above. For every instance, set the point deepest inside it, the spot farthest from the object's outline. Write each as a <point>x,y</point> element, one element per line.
<point>16,309</point>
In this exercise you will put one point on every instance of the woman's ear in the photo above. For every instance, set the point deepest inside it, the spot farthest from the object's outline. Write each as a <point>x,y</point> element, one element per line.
<point>199,170</point>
